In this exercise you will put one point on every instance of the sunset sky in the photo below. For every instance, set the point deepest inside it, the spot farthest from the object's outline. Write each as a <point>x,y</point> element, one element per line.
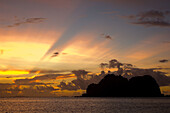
<point>43,41</point>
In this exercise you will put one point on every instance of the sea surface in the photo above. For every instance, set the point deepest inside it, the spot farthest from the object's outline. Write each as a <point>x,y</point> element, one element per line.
<point>84,105</point>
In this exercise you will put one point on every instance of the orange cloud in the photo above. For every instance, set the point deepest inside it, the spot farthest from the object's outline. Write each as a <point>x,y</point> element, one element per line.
<point>65,77</point>
<point>165,90</point>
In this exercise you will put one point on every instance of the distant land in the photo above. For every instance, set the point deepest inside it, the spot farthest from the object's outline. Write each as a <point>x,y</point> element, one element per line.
<point>118,86</point>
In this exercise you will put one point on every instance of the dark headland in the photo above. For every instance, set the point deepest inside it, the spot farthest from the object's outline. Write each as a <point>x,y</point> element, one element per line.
<point>118,86</point>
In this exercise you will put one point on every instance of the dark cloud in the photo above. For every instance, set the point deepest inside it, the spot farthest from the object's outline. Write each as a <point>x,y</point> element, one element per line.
<point>158,15</point>
<point>35,20</point>
<point>125,69</point>
<point>153,23</point>
<point>106,36</point>
<point>151,18</point>
<point>69,86</point>
<point>104,65</point>
<point>82,81</point>
<point>55,54</point>
<point>27,21</point>
<point>163,60</point>
<point>159,76</point>
<point>128,70</point>
<point>80,73</point>
<point>114,63</point>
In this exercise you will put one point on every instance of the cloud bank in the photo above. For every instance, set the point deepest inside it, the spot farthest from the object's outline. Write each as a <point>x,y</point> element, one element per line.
<point>124,69</point>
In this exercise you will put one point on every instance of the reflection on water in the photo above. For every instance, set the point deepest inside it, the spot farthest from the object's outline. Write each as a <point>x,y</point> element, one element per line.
<point>85,105</point>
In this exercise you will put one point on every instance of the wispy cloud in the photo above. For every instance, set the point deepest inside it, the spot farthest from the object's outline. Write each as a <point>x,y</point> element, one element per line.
<point>151,18</point>
<point>163,61</point>
<point>153,23</point>
<point>27,21</point>
<point>55,54</point>
<point>106,36</point>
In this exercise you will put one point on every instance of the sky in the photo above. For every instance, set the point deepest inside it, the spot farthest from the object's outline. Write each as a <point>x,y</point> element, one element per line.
<point>46,45</point>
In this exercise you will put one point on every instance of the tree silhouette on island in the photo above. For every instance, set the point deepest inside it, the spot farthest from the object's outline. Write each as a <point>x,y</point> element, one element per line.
<point>118,86</point>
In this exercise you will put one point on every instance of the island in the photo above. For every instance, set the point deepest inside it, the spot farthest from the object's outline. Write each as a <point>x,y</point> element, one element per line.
<point>118,86</point>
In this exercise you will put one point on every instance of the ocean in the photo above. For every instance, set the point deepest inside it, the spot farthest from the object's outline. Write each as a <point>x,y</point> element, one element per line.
<point>85,105</point>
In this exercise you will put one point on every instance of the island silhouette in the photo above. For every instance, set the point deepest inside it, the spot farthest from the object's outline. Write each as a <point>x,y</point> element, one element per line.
<point>118,86</point>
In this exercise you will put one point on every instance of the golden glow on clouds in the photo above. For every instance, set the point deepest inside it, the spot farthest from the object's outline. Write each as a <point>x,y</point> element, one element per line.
<point>13,72</point>
<point>69,93</point>
<point>63,77</point>
<point>165,90</point>
<point>36,74</point>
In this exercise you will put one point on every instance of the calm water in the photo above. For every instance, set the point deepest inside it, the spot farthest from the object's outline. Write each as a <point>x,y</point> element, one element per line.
<point>85,105</point>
